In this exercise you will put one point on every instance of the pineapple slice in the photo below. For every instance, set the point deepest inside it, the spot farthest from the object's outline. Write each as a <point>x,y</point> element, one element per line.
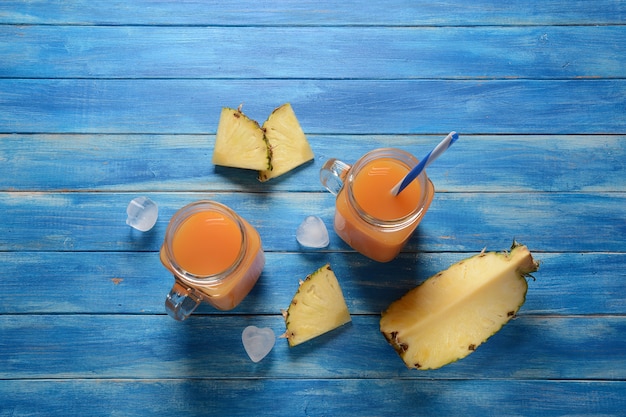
<point>449,315</point>
<point>287,142</point>
<point>318,307</point>
<point>240,142</point>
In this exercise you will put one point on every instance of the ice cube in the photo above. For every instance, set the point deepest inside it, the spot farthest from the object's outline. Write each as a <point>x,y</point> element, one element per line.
<point>257,342</point>
<point>312,233</point>
<point>142,213</point>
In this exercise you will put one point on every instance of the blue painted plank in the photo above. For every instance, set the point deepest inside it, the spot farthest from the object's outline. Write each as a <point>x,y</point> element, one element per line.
<point>455,221</point>
<point>322,106</point>
<point>306,397</point>
<point>158,347</point>
<point>123,163</point>
<point>136,283</point>
<point>306,52</point>
<point>309,12</point>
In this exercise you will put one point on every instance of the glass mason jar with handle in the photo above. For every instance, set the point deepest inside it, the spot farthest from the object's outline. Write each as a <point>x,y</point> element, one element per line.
<point>368,217</point>
<point>215,255</point>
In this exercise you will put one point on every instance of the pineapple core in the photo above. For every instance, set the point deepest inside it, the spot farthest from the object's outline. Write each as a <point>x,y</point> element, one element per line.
<point>449,315</point>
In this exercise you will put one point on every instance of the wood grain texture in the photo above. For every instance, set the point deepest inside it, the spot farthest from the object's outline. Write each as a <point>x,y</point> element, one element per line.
<point>350,106</point>
<point>136,283</point>
<point>455,222</point>
<point>478,163</point>
<point>312,12</point>
<point>306,397</point>
<point>334,53</point>
<point>157,347</point>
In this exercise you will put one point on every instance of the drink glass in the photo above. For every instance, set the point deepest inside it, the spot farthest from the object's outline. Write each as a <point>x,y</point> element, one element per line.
<point>367,216</point>
<point>215,255</point>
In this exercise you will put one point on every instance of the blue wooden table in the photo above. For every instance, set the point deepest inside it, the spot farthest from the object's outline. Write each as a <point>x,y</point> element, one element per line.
<point>101,102</point>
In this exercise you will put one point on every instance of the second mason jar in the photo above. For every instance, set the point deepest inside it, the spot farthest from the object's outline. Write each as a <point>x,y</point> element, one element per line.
<point>368,217</point>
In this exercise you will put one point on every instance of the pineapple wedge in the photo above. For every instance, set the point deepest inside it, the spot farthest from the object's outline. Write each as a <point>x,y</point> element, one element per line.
<point>240,142</point>
<point>287,142</point>
<point>318,307</point>
<point>449,315</point>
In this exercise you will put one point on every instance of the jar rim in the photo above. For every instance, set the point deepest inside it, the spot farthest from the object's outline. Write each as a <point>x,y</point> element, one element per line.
<point>179,218</point>
<point>404,158</point>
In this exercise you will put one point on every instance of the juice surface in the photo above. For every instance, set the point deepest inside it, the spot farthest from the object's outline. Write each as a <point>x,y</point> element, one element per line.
<point>206,243</point>
<point>372,190</point>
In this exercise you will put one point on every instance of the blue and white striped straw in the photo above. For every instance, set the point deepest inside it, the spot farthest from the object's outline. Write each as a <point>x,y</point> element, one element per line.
<point>432,155</point>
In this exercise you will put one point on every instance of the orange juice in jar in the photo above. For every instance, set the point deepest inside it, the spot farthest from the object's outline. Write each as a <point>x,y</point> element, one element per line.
<point>215,256</point>
<point>368,217</point>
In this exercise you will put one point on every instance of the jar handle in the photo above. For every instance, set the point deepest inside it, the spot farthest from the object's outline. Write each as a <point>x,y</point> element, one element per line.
<point>332,175</point>
<point>181,301</point>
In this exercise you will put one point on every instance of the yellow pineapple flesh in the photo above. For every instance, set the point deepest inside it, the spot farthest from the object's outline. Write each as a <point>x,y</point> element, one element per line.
<point>240,142</point>
<point>288,144</point>
<point>317,307</point>
<point>449,315</point>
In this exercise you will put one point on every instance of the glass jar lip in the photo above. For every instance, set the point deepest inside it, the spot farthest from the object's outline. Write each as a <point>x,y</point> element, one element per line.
<point>405,159</point>
<point>179,218</point>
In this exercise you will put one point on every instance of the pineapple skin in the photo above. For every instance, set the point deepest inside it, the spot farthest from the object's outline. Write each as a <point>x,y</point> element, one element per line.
<point>449,315</point>
<point>317,307</point>
<point>286,141</point>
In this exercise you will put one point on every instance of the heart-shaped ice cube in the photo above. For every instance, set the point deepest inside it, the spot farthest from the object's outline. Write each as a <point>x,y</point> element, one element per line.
<point>258,342</point>
<point>312,233</point>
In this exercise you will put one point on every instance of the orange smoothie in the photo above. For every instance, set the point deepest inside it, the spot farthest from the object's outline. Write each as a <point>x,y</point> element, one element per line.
<point>372,190</point>
<point>215,253</point>
<point>372,220</point>
<point>199,255</point>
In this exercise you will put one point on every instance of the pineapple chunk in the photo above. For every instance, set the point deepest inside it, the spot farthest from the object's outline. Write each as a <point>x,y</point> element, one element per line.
<point>318,307</point>
<point>288,144</point>
<point>240,142</point>
<point>449,315</point>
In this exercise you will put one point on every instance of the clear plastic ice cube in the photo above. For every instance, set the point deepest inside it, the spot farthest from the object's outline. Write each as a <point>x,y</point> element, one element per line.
<point>142,213</point>
<point>312,233</point>
<point>258,342</point>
